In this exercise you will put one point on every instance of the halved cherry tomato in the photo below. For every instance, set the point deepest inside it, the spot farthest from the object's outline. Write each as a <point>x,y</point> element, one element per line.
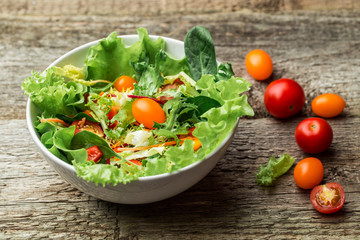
<point>308,173</point>
<point>147,111</point>
<point>259,64</point>
<point>313,135</point>
<point>328,198</point>
<point>113,111</point>
<point>86,125</point>
<point>164,88</point>
<point>94,153</point>
<point>284,98</point>
<point>124,83</point>
<point>328,105</point>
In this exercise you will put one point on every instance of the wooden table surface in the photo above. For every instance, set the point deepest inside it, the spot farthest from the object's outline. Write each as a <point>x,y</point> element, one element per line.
<point>317,43</point>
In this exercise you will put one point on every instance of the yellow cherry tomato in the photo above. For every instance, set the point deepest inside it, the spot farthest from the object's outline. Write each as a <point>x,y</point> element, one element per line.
<point>124,83</point>
<point>328,105</point>
<point>146,111</point>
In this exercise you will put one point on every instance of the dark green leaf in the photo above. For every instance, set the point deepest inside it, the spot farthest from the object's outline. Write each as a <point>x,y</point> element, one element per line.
<point>78,116</point>
<point>200,52</point>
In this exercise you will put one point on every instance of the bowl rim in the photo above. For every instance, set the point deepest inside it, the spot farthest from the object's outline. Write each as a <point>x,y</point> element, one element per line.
<point>71,168</point>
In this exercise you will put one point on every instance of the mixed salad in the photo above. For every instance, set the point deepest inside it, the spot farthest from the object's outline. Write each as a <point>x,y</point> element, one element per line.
<point>134,111</point>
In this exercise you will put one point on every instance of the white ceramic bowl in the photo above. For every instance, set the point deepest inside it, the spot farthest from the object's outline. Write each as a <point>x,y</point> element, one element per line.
<point>145,189</point>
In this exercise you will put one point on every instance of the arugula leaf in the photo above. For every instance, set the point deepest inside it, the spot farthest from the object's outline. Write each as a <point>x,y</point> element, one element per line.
<point>150,82</point>
<point>274,169</point>
<point>200,52</point>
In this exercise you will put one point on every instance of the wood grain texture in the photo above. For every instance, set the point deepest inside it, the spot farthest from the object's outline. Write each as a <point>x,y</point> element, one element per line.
<point>317,44</point>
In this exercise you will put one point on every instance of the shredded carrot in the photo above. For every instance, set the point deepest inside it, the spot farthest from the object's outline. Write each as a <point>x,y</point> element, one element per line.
<point>171,143</point>
<point>54,120</point>
<point>88,112</point>
<point>197,145</point>
<point>102,93</point>
<point>117,144</point>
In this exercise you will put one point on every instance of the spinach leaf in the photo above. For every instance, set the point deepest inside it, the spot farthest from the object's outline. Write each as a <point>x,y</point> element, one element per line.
<point>195,107</point>
<point>225,72</point>
<point>200,52</point>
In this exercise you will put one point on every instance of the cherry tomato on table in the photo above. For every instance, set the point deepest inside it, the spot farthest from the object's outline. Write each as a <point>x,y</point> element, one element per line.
<point>124,83</point>
<point>259,64</point>
<point>328,198</point>
<point>328,105</point>
<point>147,111</point>
<point>313,135</point>
<point>284,98</point>
<point>94,153</point>
<point>308,173</point>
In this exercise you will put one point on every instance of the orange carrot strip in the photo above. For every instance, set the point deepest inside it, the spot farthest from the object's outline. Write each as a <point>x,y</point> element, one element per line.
<point>88,112</point>
<point>54,120</point>
<point>117,144</point>
<point>146,147</point>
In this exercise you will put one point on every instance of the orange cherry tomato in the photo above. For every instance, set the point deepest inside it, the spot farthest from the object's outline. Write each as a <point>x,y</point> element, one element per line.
<point>259,64</point>
<point>124,83</point>
<point>147,111</point>
<point>328,105</point>
<point>308,173</point>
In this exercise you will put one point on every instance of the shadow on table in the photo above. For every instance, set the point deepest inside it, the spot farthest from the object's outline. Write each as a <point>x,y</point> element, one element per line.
<point>207,200</point>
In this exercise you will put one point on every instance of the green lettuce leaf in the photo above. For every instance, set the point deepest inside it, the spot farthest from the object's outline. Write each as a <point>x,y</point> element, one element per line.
<point>52,94</point>
<point>110,58</point>
<point>221,120</point>
<point>274,169</point>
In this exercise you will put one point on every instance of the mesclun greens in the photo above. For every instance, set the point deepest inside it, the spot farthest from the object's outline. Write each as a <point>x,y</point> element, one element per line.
<point>194,91</point>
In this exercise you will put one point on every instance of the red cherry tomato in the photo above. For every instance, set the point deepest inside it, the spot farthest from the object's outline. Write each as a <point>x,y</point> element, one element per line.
<point>308,173</point>
<point>111,114</point>
<point>284,98</point>
<point>94,154</point>
<point>328,105</point>
<point>124,83</point>
<point>136,162</point>
<point>259,64</point>
<point>313,135</point>
<point>328,198</point>
<point>85,125</point>
<point>147,111</point>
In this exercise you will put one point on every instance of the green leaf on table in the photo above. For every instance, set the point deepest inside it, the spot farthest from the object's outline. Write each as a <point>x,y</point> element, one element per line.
<point>274,169</point>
